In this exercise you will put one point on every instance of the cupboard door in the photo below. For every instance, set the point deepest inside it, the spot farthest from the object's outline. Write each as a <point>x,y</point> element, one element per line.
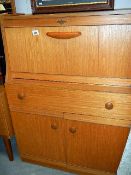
<point>39,136</point>
<point>43,54</point>
<point>95,146</point>
<point>54,139</point>
<point>114,51</point>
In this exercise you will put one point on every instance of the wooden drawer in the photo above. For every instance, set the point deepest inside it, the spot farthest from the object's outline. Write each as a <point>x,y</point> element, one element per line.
<point>37,98</point>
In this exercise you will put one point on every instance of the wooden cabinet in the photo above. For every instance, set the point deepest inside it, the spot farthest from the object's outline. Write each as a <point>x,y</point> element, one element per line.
<point>68,88</point>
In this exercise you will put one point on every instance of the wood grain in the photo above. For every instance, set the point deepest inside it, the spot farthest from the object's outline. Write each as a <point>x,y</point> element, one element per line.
<point>72,19</point>
<point>95,146</point>
<point>114,51</point>
<point>51,145</point>
<point>91,81</point>
<point>40,139</point>
<point>69,168</point>
<point>3,127</point>
<point>70,98</point>
<point>6,128</point>
<point>60,56</point>
<point>72,57</point>
<point>39,98</point>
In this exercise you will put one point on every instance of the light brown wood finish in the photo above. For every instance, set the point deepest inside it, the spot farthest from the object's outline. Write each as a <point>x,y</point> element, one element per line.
<point>77,58</point>
<point>60,56</point>
<point>70,101</point>
<point>79,83</point>
<point>51,132</point>
<point>43,137</point>
<point>6,128</point>
<point>97,150</point>
<point>63,35</point>
<point>70,168</point>
<point>80,80</point>
<point>72,19</point>
<point>114,51</point>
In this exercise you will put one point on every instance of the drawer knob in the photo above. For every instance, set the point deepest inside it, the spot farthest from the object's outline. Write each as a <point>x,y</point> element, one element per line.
<point>109,105</point>
<point>72,130</point>
<point>54,126</point>
<point>21,96</point>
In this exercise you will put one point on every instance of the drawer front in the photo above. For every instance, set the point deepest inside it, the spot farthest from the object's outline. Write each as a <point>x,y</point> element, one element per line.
<point>39,98</point>
<point>42,53</point>
<point>3,127</point>
<point>92,50</point>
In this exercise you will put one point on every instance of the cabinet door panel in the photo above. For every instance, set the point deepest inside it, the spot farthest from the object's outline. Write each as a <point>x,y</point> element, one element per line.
<point>95,146</point>
<point>43,54</point>
<point>114,51</point>
<point>53,140</point>
<point>28,134</point>
<point>36,137</point>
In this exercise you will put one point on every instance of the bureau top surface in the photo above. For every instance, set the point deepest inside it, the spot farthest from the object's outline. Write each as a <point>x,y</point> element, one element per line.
<point>65,19</point>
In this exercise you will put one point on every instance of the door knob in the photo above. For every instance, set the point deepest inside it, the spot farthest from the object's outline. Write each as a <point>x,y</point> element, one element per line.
<point>72,130</point>
<point>21,96</point>
<point>109,105</point>
<point>54,126</point>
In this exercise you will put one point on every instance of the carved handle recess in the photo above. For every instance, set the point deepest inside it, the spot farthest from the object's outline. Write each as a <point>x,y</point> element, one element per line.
<point>63,35</point>
<point>21,95</point>
<point>72,130</point>
<point>109,105</point>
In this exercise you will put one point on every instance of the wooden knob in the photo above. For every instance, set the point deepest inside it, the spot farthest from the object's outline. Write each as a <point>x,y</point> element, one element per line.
<point>21,96</point>
<point>72,130</point>
<point>54,126</point>
<point>109,105</point>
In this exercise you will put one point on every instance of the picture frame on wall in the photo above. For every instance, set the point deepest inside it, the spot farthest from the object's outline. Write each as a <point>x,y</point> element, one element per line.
<point>58,6</point>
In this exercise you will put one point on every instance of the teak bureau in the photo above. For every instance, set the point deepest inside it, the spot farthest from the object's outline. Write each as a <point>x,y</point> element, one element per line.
<point>68,85</point>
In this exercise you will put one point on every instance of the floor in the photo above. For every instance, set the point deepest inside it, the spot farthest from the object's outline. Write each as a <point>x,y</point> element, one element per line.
<point>17,167</point>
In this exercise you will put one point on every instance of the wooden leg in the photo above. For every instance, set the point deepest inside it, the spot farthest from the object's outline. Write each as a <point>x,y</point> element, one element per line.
<point>8,147</point>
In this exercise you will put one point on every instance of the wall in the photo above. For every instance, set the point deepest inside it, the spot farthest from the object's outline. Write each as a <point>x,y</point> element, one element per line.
<point>24,6</point>
<point>119,4</point>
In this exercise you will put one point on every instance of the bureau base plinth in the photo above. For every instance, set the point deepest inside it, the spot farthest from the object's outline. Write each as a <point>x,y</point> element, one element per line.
<point>64,167</point>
